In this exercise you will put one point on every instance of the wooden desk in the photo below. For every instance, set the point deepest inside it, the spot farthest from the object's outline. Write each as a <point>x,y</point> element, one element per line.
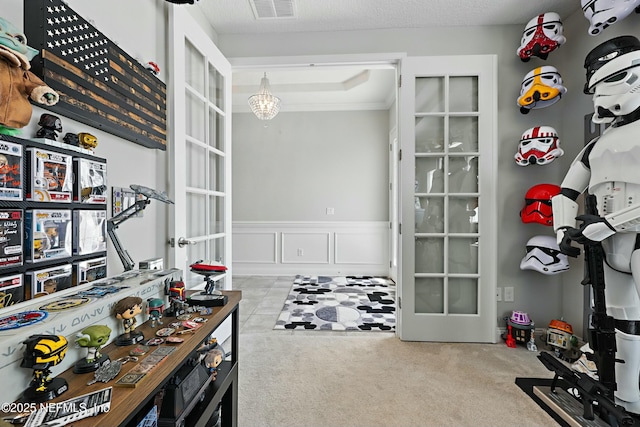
<point>130,405</point>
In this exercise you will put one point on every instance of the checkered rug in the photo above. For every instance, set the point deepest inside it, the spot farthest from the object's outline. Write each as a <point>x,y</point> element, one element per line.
<point>348,303</point>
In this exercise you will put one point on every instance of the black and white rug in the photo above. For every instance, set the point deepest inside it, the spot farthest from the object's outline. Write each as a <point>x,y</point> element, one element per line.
<point>344,303</point>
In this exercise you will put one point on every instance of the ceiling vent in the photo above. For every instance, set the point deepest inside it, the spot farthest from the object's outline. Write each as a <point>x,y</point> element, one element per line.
<point>269,9</point>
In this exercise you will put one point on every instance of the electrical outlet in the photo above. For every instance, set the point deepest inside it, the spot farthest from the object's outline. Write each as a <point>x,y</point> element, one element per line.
<point>498,294</point>
<point>300,252</point>
<point>508,294</point>
<point>331,211</point>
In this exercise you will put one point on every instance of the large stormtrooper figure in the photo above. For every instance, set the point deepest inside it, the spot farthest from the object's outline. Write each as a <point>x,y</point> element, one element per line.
<point>608,168</point>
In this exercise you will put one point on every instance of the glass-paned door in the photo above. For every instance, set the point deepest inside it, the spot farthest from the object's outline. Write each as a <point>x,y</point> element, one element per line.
<point>448,113</point>
<point>200,150</point>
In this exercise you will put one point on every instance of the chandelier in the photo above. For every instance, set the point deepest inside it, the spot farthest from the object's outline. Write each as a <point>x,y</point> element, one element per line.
<point>264,104</point>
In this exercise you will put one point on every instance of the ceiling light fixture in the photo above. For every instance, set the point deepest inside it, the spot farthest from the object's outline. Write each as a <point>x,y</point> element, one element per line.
<point>264,104</point>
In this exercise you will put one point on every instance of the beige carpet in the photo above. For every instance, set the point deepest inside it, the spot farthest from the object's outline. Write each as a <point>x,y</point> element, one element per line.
<point>314,379</point>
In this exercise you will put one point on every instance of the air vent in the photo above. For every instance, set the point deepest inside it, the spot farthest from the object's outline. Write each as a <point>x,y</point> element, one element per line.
<point>269,9</point>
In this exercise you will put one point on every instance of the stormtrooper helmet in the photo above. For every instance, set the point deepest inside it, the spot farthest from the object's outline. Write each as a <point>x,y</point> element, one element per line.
<point>605,52</point>
<point>615,86</point>
<point>543,255</point>
<point>602,13</point>
<point>541,36</point>
<point>537,207</point>
<point>541,87</point>
<point>539,145</point>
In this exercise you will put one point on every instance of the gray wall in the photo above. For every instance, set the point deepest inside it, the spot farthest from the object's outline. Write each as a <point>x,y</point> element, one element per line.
<point>295,166</point>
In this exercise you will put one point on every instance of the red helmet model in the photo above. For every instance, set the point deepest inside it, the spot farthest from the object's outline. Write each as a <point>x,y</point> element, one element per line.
<point>541,36</point>
<point>538,146</point>
<point>537,207</point>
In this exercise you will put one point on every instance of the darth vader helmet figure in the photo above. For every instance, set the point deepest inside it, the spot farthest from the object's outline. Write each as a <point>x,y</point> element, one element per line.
<point>616,82</point>
<point>539,145</point>
<point>602,13</point>
<point>543,255</point>
<point>540,88</point>
<point>537,206</point>
<point>541,36</point>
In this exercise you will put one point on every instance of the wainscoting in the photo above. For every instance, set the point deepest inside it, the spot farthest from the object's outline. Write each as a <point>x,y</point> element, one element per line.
<point>331,248</point>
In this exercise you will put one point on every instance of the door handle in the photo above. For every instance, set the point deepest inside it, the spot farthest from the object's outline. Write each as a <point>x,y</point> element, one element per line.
<point>182,242</point>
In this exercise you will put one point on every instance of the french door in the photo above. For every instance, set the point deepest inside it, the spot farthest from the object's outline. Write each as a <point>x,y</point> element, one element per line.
<point>448,231</point>
<point>200,150</point>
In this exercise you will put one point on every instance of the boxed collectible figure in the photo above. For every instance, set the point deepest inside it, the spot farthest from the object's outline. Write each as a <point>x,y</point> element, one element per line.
<point>11,290</point>
<point>10,171</point>
<point>90,270</point>
<point>47,234</point>
<point>10,238</point>
<point>90,231</point>
<point>91,181</point>
<point>50,176</point>
<point>49,280</point>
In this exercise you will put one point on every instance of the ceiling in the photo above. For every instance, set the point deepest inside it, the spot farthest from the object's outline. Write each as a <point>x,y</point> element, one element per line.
<point>350,88</point>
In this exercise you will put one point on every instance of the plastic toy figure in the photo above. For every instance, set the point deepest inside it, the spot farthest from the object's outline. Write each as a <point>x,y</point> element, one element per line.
<point>43,352</point>
<point>541,36</point>
<point>17,83</point>
<point>539,145</point>
<point>602,13</point>
<point>177,299</point>
<point>88,141</point>
<point>211,355</point>
<point>9,174</point>
<point>127,309</point>
<point>71,139</point>
<point>607,168</point>
<point>544,256</point>
<point>93,338</point>
<point>51,125</point>
<point>155,308</point>
<point>541,87</point>
<point>537,204</point>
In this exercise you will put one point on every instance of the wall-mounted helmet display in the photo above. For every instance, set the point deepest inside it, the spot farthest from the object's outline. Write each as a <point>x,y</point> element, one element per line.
<point>543,255</point>
<point>540,88</point>
<point>539,145</point>
<point>602,13</point>
<point>537,206</point>
<point>541,36</point>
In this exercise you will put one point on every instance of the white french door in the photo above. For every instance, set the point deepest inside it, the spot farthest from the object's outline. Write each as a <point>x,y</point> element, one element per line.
<point>448,108</point>
<point>200,149</point>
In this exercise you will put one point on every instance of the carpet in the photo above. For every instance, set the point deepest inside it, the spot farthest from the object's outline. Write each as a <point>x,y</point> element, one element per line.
<point>344,303</point>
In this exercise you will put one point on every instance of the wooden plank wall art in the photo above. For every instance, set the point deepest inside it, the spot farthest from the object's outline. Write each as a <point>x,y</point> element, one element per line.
<point>99,84</point>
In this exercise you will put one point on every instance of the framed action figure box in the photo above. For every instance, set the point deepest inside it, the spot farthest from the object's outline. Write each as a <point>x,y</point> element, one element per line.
<point>90,270</point>
<point>10,171</point>
<point>91,181</point>
<point>11,238</point>
<point>89,231</point>
<point>48,234</point>
<point>50,177</point>
<point>49,280</point>
<point>11,290</point>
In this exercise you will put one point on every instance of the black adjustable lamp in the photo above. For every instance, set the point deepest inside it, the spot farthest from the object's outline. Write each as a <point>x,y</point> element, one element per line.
<point>138,206</point>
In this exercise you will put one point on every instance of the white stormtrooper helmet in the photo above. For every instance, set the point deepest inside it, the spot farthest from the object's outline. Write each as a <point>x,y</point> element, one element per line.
<point>616,87</point>
<point>539,145</point>
<point>543,255</point>
<point>541,87</point>
<point>541,36</point>
<point>602,13</point>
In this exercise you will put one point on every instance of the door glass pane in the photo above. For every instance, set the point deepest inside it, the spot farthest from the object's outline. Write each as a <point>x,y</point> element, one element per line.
<point>429,175</point>
<point>429,295</point>
<point>216,129</point>
<point>463,174</point>
<point>463,134</point>
<point>216,215</point>
<point>429,255</point>
<point>196,214</point>
<point>216,87</point>
<point>429,214</point>
<point>195,253</point>
<point>463,255</point>
<point>430,94</point>
<point>195,114</point>
<point>194,67</point>
<point>216,176</point>
<point>463,296</point>
<point>463,215</point>
<point>463,94</point>
<point>196,156</point>
<point>216,250</point>
<point>429,134</point>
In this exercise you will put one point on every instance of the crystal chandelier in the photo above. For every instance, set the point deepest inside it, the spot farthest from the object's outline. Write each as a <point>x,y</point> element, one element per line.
<point>263,104</point>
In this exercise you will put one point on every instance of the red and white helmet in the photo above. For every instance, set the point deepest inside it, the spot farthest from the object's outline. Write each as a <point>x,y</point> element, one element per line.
<point>540,88</point>
<point>602,13</point>
<point>538,146</point>
<point>541,36</point>
<point>543,255</point>
<point>537,206</point>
